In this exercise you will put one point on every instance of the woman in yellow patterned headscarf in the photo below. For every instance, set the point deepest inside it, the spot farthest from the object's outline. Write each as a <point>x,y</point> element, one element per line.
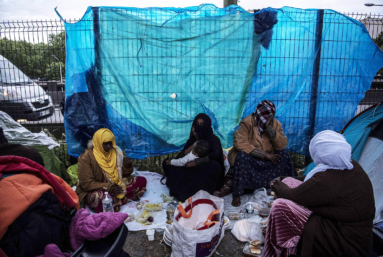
<point>106,154</point>
<point>101,169</point>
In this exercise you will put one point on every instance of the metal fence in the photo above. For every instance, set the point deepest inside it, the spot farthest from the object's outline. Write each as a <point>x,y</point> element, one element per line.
<point>33,78</point>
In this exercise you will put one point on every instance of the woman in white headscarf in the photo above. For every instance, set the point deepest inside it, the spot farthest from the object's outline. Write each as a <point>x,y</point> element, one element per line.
<point>332,208</point>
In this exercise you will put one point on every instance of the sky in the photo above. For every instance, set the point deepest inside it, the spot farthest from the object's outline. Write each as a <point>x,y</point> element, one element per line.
<point>74,9</point>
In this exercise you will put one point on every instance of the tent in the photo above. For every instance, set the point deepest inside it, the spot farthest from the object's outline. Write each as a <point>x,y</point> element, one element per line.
<point>365,135</point>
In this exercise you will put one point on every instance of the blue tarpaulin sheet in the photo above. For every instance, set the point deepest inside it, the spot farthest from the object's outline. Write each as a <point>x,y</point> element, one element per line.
<point>145,73</point>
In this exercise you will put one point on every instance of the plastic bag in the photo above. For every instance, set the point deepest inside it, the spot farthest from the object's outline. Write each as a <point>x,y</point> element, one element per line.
<point>260,195</point>
<point>202,209</point>
<point>248,229</point>
<point>73,173</point>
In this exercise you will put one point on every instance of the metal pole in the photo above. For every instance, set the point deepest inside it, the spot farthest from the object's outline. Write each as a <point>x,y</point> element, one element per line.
<point>61,76</point>
<point>371,4</point>
<point>315,79</point>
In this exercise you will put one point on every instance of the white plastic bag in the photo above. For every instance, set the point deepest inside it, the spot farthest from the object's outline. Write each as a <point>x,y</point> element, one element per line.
<point>248,230</point>
<point>260,195</point>
<point>198,212</point>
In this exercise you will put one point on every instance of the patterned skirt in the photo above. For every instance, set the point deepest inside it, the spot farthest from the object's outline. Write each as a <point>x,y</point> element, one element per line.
<point>285,226</point>
<point>252,173</point>
<point>136,187</point>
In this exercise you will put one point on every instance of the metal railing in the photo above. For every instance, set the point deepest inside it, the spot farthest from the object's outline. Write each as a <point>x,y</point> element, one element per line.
<point>37,51</point>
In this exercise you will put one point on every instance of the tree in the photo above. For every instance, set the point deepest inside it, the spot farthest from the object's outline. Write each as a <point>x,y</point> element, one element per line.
<point>36,60</point>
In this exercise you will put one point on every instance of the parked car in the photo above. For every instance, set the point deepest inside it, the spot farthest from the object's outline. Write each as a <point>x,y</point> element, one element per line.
<point>20,97</point>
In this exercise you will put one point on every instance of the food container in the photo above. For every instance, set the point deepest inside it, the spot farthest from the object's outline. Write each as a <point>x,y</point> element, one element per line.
<point>170,212</point>
<point>265,204</point>
<point>226,222</point>
<point>166,198</point>
<point>234,215</point>
<point>263,225</point>
<point>152,207</point>
<point>142,216</point>
<point>150,234</point>
<point>140,205</point>
<point>264,212</point>
<point>247,252</point>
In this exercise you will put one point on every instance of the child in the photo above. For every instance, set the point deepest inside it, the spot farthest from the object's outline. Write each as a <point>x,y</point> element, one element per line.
<point>201,150</point>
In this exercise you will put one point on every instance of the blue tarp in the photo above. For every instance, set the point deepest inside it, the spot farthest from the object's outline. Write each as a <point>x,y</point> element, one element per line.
<point>145,73</point>
<point>357,132</point>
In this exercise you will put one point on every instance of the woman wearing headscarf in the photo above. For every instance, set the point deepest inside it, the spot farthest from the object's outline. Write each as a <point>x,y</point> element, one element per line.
<point>101,169</point>
<point>258,154</point>
<point>201,174</point>
<point>333,206</point>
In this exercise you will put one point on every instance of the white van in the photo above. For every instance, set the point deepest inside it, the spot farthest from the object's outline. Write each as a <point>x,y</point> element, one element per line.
<point>20,97</point>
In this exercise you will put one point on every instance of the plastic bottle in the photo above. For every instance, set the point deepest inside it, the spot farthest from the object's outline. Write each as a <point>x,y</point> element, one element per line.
<point>107,203</point>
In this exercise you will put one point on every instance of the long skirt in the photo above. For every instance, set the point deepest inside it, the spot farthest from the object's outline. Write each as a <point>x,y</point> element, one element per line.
<point>252,173</point>
<point>285,226</point>
<point>136,187</point>
<point>184,182</point>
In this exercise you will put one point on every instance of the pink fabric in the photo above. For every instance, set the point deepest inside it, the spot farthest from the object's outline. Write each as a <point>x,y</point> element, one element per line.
<point>2,253</point>
<point>285,226</point>
<point>52,250</point>
<point>93,227</point>
<point>135,188</point>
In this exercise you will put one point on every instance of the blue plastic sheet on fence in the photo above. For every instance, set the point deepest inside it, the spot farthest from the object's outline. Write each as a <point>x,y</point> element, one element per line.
<point>145,73</point>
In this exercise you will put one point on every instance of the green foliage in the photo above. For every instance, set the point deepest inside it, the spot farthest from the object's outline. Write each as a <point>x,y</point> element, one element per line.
<point>36,60</point>
<point>62,151</point>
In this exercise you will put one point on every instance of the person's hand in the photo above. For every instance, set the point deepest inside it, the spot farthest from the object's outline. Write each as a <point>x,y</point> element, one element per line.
<point>190,164</point>
<point>272,157</point>
<point>126,161</point>
<point>194,133</point>
<point>269,121</point>
<point>168,162</point>
<point>272,182</point>
<point>116,190</point>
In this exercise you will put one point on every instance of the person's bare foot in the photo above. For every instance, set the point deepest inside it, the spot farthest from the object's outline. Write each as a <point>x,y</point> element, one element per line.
<point>236,201</point>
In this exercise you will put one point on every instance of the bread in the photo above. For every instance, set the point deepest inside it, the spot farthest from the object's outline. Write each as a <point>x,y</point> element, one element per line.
<point>255,249</point>
<point>255,242</point>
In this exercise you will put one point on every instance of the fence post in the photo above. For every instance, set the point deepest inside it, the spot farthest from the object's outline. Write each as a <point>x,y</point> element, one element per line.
<point>315,78</point>
<point>96,29</point>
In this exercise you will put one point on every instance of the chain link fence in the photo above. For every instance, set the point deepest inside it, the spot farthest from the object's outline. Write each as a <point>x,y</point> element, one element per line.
<point>32,69</point>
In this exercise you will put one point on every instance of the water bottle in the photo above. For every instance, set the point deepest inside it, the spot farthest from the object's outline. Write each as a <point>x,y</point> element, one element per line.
<point>107,203</point>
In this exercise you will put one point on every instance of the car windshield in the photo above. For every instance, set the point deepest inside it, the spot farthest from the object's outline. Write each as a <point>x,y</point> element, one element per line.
<point>10,74</point>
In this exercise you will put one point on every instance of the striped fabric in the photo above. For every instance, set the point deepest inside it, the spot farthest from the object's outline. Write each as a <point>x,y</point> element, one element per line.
<point>285,226</point>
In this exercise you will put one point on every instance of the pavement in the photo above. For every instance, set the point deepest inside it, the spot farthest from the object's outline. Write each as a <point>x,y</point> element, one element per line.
<point>137,245</point>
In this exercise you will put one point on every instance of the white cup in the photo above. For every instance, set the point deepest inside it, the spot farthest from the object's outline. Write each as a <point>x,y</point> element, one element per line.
<point>150,234</point>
